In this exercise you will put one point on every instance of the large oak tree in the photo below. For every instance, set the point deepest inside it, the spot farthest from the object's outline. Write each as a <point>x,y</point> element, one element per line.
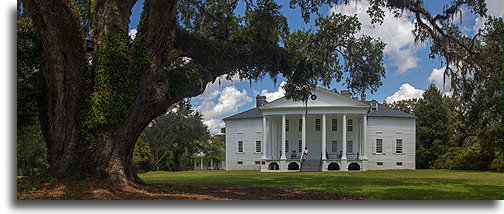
<point>104,88</point>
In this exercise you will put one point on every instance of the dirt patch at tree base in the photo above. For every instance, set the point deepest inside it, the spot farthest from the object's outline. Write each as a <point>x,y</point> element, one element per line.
<point>95,189</point>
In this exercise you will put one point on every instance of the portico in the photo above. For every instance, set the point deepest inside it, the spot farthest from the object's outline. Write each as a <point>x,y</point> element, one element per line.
<point>333,132</point>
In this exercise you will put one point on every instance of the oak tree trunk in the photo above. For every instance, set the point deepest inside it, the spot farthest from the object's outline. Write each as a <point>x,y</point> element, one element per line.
<point>71,79</point>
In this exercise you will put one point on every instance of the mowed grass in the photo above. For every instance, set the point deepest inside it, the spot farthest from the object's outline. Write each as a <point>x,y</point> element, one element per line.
<point>378,185</point>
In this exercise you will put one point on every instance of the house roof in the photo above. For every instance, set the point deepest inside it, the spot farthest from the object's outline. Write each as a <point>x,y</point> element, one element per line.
<point>385,111</point>
<point>251,113</point>
<point>319,91</point>
<point>198,155</point>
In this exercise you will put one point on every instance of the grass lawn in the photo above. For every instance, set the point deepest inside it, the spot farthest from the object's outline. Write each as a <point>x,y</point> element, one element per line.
<point>383,184</point>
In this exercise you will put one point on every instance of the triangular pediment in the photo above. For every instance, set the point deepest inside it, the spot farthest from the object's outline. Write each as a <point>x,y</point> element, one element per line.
<point>324,98</point>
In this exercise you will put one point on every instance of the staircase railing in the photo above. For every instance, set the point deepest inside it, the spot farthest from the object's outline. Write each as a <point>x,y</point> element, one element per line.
<point>320,163</point>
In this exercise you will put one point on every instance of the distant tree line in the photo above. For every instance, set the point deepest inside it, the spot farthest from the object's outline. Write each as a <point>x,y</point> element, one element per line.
<point>170,141</point>
<point>465,130</point>
<point>449,136</point>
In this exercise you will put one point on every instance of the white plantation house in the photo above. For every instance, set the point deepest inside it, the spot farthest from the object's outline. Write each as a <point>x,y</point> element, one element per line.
<point>340,133</point>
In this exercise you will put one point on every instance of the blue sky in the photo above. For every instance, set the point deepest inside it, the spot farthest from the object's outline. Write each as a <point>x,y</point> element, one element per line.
<point>409,70</point>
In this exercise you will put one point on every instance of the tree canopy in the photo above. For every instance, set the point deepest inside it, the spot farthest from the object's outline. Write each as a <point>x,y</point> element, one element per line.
<point>103,88</point>
<point>180,131</point>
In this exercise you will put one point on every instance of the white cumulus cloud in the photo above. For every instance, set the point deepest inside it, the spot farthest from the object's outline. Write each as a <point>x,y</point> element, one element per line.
<point>436,77</point>
<point>132,33</point>
<point>406,91</point>
<point>395,32</point>
<point>271,96</point>
<point>229,99</point>
<point>495,8</point>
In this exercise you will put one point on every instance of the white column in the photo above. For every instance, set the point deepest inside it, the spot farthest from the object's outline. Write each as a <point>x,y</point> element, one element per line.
<point>264,138</point>
<point>324,136</point>
<point>343,140</point>
<point>283,138</point>
<point>201,163</point>
<point>303,135</point>
<point>211,164</point>
<point>364,136</point>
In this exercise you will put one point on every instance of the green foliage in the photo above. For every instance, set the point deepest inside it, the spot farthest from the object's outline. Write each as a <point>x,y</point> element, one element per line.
<point>471,156</point>
<point>31,150</point>
<point>407,105</point>
<point>31,146</point>
<point>497,163</point>
<point>31,184</point>
<point>434,130</point>
<point>316,57</point>
<point>142,156</point>
<point>29,64</point>
<point>115,87</point>
<point>214,149</point>
<point>264,25</point>
<point>175,136</point>
<point>365,65</point>
<point>478,112</point>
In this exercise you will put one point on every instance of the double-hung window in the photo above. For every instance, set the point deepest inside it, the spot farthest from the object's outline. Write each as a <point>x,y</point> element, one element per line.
<point>350,125</point>
<point>240,146</point>
<point>300,125</point>
<point>334,124</point>
<point>379,146</point>
<point>317,124</point>
<point>334,146</point>
<point>286,146</point>
<point>258,146</point>
<point>286,125</point>
<point>349,146</point>
<point>399,146</point>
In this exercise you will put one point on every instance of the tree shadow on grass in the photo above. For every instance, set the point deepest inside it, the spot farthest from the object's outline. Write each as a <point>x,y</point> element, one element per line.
<point>411,187</point>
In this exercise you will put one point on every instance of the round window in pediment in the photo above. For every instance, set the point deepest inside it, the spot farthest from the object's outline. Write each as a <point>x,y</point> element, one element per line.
<point>313,97</point>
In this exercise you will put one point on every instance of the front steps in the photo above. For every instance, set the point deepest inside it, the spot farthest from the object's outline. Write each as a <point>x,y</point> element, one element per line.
<point>311,166</point>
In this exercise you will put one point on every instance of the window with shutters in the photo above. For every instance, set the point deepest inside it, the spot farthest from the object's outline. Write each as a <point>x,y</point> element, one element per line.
<point>334,124</point>
<point>350,125</point>
<point>317,124</point>
<point>258,146</point>
<point>300,125</point>
<point>286,146</point>
<point>379,146</point>
<point>300,146</point>
<point>286,125</point>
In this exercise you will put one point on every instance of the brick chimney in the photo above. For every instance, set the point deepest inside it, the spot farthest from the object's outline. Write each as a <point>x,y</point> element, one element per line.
<point>346,93</point>
<point>363,97</point>
<point>260,100</point>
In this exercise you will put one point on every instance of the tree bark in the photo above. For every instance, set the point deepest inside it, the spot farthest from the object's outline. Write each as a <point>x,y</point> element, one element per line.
<point>66,67</point>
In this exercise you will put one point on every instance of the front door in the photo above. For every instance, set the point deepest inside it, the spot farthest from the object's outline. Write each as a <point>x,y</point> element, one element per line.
<point>314,148</point>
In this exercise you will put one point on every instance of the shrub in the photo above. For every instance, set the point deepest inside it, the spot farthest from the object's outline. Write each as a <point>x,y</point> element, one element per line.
<point>497,163</point>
